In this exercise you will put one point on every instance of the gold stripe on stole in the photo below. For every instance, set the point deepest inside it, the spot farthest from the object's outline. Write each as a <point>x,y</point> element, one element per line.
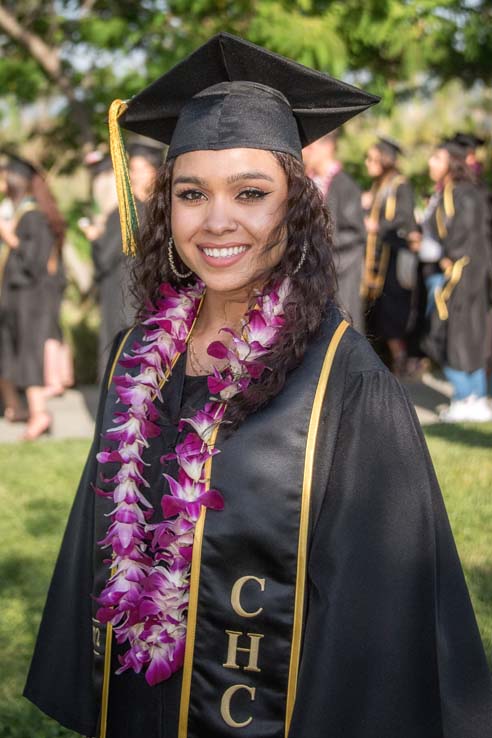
<point>103,722</point>
<point>193,605</point>
<point>304,522</point>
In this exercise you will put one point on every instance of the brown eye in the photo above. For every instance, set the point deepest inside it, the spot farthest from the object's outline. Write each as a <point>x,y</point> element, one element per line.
<point>252,194</point>
<point>190,195</point>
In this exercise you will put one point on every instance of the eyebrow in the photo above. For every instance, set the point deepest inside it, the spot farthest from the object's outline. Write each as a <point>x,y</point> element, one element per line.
<point>185,179</point>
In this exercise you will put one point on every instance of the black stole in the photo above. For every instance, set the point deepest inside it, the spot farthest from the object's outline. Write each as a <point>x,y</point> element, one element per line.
<point>249,564</point>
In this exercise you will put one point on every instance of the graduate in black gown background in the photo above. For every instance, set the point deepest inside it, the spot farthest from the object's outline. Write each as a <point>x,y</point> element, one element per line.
<point>470,143</point>
<point>343,197</point>
<point>393,238</point>
<point>111,265</point>
<point>457,337</point>
<point>32,286</point>
<point>326,598</point>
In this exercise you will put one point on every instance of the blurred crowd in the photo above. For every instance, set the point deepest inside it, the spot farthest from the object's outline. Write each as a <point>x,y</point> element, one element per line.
<point>416,281</point>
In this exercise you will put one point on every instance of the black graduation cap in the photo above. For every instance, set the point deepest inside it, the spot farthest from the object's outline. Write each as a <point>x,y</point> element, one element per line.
<point>231,93</point>
<point>390,145</point>
<point>454,147</point>
<point>468,140</point>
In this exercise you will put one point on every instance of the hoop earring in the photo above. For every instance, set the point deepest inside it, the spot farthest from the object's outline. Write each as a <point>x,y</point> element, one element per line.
<point>302,259</point>
<point>172,263</point>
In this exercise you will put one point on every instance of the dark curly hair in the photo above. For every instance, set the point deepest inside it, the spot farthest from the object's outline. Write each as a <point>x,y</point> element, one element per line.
<point>312,287</point>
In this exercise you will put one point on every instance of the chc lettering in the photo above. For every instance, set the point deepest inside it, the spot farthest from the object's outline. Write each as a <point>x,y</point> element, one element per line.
<point>240,642</point>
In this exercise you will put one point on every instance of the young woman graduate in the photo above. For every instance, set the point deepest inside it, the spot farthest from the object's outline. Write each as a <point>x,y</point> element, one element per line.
<point>458,289</point>
<point>392,236</point>
<point>267,553</point>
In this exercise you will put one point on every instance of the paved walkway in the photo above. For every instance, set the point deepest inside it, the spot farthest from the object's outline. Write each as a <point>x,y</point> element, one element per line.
<point>73,414</point>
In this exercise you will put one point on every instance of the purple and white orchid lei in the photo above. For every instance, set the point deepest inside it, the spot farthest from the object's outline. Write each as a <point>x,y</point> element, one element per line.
<point>146,596</point>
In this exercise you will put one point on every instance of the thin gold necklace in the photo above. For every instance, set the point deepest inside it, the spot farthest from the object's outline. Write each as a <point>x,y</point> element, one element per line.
<point>195,362</point>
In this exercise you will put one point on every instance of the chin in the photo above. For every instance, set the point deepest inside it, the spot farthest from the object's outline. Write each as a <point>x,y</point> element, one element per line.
<point>227,283</point>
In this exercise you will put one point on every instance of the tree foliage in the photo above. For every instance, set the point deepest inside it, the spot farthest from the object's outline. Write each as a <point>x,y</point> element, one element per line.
<point>83,53</point>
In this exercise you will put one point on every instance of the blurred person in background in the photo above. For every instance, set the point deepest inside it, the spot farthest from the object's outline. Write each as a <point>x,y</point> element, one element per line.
<point>6,214</point>
<point>459,299</point>
<point>470,143</point>
<point>112,266</point>
<point>31,293</point>
<point>390,263</point>
<point>343,198</point>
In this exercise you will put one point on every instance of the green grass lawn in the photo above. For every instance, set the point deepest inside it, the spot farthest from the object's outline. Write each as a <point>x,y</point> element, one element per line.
<point>37,484</point>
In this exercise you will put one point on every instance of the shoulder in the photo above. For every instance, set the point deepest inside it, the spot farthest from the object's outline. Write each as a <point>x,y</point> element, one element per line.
<point>401,185</point>
<point>32,220</point>
<point>367,382</point>
<point>358,354</point>
<point>466,192</point>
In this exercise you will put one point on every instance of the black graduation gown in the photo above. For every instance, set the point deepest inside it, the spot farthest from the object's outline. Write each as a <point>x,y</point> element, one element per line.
<point>349,237</point>
<point>30,302</point>
<point>113,279</point>
<point>390,643</point>
<point>460,340</point>
<point>390,315</point>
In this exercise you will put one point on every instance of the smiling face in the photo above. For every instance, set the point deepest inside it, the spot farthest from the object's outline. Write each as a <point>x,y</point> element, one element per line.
<point>224,207</point>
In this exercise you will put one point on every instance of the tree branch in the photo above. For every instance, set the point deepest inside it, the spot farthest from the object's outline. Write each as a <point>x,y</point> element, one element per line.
<point>48,59</point>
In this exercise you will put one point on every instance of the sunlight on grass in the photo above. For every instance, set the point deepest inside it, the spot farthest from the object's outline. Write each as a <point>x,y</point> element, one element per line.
<point>37,485</point>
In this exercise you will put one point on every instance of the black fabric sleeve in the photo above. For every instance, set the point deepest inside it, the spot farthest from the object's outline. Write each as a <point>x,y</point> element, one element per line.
<point>60,679</point>
<point>391,645</point>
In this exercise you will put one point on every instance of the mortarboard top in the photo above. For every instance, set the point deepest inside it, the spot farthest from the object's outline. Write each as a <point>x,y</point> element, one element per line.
<point>390,145</point>
<point>231,93</point>
<point>468,140</point>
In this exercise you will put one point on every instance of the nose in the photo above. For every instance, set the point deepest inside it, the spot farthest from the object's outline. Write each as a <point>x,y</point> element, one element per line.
<point>219,217</point>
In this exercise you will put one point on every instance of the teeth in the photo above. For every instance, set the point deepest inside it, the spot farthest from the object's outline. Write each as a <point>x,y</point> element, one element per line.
<point>222,253</point>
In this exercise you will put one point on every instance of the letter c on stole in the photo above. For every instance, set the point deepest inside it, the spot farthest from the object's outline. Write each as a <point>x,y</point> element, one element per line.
<point>225,705</point>
<point>236,596</point>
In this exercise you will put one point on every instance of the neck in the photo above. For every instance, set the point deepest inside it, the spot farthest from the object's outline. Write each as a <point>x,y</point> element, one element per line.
<point>385,175</point>
<point>221,310</point>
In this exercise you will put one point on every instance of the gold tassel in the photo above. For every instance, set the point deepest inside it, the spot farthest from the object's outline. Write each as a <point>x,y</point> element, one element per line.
<point>126,200</point>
